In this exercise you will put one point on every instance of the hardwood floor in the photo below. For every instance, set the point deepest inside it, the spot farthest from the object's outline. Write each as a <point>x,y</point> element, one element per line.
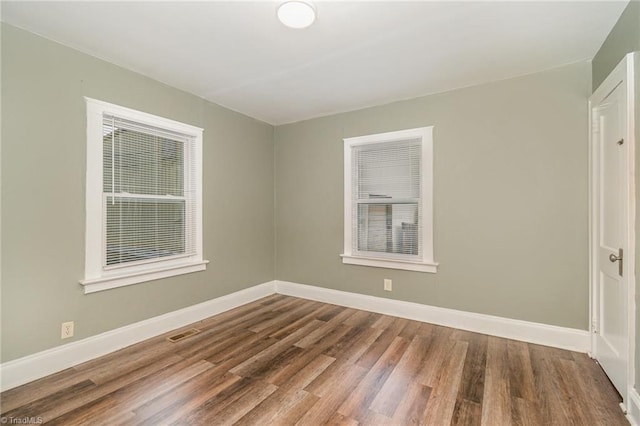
<point>283,361</point>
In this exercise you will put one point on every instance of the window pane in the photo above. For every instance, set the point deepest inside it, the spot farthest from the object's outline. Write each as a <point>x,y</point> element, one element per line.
<point>387,170</point>
<point>142,229</point>
<point>139,163</point>
<point>388,228</point>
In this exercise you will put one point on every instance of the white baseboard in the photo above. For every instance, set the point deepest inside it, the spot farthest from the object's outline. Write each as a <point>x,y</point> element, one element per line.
<point>543,334</point>
<point>633,407</point>
<point>23,370</point>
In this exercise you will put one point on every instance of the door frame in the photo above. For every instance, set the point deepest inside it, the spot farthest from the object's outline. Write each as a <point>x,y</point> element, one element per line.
<point>623,71</point>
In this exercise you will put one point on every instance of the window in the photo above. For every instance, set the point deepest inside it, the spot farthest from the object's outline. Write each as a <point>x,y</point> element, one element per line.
<point>388,185</point>
<point>143,197</point>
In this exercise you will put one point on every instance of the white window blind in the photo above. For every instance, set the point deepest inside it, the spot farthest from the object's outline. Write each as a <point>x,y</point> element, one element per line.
<point>147,193</point>
<point>386,213</point>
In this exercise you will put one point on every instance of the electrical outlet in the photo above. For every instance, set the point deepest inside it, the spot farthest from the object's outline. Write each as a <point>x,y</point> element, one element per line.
<point>388,285</point>
<point>67,330</point>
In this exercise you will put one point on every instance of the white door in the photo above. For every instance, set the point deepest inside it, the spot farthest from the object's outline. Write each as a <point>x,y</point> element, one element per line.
<point>612,226</point>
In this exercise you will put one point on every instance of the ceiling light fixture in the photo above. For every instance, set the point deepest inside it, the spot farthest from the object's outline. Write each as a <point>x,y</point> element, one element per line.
<point>297,13</point>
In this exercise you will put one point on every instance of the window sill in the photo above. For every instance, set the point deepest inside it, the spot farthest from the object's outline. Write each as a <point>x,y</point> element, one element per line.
<point>391,264</point>
<point>93,285</point>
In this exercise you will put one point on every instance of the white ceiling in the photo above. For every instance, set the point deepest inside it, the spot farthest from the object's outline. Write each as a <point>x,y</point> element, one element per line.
<point>357,54</point>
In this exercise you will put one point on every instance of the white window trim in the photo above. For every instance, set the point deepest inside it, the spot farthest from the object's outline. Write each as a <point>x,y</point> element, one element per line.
<point>426,263</point>
<point>98,278</point>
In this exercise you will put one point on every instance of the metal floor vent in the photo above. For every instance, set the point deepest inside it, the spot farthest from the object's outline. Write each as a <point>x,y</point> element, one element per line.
<point>183,335</point>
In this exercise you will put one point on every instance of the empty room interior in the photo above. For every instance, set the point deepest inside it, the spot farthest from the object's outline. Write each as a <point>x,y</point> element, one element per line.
<point>328,212</point>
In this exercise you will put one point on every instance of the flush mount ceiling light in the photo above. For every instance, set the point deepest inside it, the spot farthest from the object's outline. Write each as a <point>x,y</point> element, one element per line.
<point>297,13</point>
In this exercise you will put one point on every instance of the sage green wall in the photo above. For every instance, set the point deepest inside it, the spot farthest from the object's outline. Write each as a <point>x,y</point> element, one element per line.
<point>43,172</point>
<point>623,38</point>
<point>511,211</point>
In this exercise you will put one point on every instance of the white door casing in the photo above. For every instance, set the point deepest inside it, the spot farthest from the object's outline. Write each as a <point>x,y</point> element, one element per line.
<point>612,213</point>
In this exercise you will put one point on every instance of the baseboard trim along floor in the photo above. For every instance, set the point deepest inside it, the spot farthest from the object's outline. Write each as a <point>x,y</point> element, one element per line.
<point>23,370</point>
<point>531,332</point>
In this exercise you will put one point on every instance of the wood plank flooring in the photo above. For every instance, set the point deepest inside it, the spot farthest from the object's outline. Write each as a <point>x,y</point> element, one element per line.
<point>284,361</point>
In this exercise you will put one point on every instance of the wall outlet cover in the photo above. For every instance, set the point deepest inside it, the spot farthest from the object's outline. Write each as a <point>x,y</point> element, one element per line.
<point>67,330</point>
<point>388,285</point>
